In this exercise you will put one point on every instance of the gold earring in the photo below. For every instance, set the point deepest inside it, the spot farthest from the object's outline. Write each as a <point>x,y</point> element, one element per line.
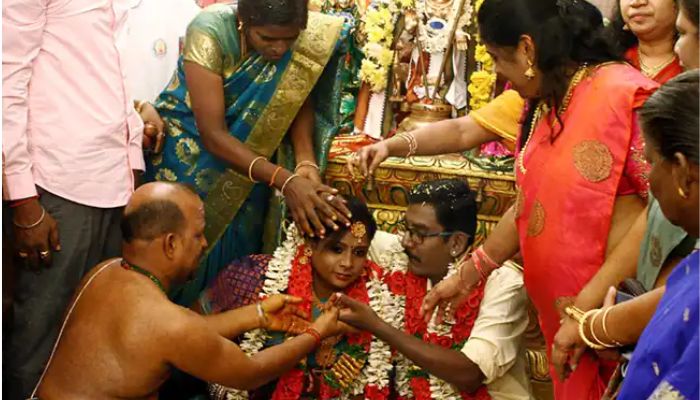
<point>529,73</point>
<point>682,193</point>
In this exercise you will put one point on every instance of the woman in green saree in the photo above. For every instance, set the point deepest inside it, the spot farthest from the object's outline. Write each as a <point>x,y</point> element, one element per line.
<point>244,80</point>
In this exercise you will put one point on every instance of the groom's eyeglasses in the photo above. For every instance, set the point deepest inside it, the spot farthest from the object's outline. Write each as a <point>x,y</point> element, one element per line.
<point>419,237</point>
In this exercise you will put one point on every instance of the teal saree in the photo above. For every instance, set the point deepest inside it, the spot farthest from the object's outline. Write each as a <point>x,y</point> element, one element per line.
<point>261,99</point>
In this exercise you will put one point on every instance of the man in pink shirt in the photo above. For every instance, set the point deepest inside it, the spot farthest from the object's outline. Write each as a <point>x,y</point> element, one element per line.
<point>72,146</point>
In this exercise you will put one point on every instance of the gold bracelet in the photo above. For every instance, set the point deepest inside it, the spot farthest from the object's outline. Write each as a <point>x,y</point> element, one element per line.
<point>284,185</point>
<point>262,316</point>
<point>582,332</point>
<point>307,164</point>
<point>595,337</point>
<point>413,144</point>
<point>574,312</point>
<point>139,105</point>
<point>605,328</point>
<point>250,168</point>
<point>408,142</point>
<point>411,141</point>
<point>33,224</point>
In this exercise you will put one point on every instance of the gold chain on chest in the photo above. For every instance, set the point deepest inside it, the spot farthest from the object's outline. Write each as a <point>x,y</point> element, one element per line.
<point>578,76</point>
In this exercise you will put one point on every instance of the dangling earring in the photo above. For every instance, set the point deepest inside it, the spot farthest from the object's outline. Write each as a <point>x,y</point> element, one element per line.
<point>243,39</point>
<point>306,257</point>
<point>682,193</point>
<point>529,72</point>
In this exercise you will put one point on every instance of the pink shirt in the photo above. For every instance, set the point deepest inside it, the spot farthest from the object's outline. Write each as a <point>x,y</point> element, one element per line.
<point>69,125</point>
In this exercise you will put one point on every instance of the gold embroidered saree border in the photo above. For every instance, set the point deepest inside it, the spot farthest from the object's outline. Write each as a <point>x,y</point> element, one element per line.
<point>311,54</point>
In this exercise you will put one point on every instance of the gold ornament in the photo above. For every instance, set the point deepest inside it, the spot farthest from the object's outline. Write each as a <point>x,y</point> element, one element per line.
<point>529,72</point>
<point>347,369</point>
<point>358,230</point>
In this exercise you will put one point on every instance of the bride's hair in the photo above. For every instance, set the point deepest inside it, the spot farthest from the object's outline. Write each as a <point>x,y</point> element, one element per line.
<point>360,213</point>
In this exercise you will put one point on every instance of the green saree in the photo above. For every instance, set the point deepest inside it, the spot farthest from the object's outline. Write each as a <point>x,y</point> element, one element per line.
<point>261,100</point>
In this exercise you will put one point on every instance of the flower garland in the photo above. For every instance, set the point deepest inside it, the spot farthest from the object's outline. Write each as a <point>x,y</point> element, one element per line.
<point>483,80</point>
<point>411,382</point>
<point>379,22</point>
<point>290,270</point>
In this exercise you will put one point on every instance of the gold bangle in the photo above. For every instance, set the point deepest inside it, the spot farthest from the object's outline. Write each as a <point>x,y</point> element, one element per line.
<point>262,316</point>
<point>307,164</point>
<point>411,141</point>
<point>284,185</point>
<point>582,331</point>
<point>274,176</point>
<point>605,328</point>
<point>595,337</point>
<point>574,313</point>
<point>33,224</point>
<point>250,168</point>
<point>139,105</point>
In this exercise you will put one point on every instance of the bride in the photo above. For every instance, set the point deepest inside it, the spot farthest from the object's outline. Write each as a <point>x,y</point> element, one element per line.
<point>350,365</point>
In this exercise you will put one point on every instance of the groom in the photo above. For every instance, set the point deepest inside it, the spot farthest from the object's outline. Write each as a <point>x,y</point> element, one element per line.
<point>481,353</point>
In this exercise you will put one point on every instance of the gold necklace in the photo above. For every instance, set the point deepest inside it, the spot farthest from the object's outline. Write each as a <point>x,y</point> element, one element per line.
<point>651,72</point>
<point>575,80</point>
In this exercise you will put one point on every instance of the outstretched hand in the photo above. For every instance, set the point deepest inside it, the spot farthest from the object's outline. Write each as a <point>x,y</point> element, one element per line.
<point>283,315</point>
<point>450,293</point>
<point>355,313</point>
<point>367,159</point>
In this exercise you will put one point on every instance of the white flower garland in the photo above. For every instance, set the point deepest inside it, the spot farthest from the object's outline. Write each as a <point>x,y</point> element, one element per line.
<point>376,370</point>
<point>439,389</point>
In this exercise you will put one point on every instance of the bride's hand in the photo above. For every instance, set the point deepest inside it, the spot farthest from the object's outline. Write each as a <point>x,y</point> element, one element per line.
<point>281,314</point>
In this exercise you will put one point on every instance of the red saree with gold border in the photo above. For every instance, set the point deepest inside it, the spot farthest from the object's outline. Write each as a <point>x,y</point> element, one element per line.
<point>566,196</point>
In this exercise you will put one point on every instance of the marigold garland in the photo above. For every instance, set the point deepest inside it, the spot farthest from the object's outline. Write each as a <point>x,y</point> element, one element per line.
<point>483,80</point>
<point>379,22</point>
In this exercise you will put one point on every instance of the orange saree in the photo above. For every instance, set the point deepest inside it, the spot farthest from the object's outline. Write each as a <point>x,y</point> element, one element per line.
<point>567,189</point>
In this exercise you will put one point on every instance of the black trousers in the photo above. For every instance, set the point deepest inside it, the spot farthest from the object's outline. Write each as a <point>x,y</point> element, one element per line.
<point>87,235</point>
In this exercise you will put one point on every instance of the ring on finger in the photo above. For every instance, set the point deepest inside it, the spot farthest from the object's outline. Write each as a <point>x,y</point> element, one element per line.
<point>330,198</point>
<point>43,254</point>
<point>22,254</point>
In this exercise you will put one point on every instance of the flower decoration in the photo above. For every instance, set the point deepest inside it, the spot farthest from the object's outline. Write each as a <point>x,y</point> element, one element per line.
<point>483,80</point>
<point>379,22</point>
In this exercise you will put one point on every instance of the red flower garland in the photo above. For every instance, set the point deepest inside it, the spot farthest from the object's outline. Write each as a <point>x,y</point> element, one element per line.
<point>291,384</point>
<point>415,291</point>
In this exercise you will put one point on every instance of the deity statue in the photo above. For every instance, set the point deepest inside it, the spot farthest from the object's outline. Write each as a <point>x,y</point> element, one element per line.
<point>423,63</point>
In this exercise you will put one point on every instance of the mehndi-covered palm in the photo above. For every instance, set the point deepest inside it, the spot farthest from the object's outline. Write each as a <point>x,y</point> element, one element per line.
<point>282,314</point>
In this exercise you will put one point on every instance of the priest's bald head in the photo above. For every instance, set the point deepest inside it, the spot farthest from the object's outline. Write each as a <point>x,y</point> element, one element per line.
<point>164,222</point>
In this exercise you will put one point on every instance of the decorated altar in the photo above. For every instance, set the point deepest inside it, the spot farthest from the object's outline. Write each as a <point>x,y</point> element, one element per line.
<point>387,193</point>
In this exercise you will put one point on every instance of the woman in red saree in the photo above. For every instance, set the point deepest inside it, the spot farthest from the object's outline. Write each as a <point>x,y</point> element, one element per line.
<point>579,166</point>
<point>646,29</point>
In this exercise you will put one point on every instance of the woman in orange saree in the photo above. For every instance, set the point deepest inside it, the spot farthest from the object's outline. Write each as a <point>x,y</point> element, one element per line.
<point>579,168</point>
